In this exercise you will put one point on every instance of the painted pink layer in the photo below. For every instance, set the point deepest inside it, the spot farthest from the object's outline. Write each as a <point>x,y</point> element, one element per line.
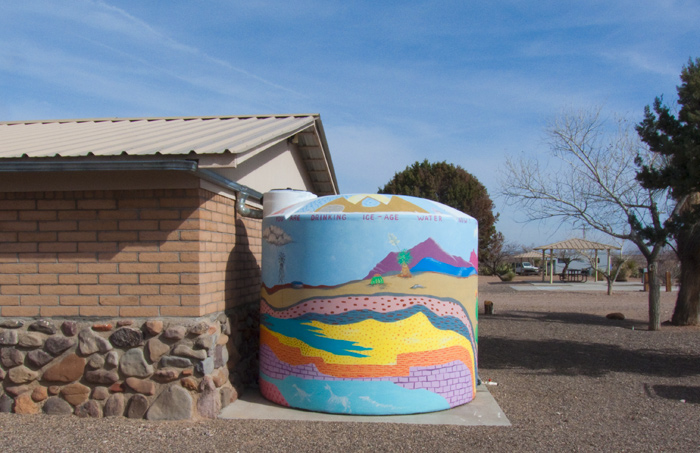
<point>379,304</point>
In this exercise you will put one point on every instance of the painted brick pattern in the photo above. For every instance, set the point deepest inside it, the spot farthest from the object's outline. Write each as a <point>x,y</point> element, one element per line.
<point>130,253</point>
<point>452,380</point>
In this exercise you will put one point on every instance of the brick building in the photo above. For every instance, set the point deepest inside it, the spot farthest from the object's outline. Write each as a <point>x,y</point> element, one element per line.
<point>108,225</point>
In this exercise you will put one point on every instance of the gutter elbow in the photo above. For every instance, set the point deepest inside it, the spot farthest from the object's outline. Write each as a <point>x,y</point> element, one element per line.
<point>247,211</point>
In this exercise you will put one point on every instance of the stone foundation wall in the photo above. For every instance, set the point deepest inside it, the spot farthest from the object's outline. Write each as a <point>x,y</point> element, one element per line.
<point>158,369</point>
<point>132,273</point>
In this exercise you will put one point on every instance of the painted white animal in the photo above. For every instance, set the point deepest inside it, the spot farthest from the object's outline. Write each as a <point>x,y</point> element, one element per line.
<point>301,394</point>
<point>341,400</point>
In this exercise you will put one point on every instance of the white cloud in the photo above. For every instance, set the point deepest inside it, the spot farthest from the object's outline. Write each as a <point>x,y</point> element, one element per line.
<point>276,236</point>
<point>98,34</point>
<point>645,62</point>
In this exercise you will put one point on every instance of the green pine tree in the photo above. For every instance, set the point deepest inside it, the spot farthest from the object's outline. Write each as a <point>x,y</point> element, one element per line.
<point>677,140</point>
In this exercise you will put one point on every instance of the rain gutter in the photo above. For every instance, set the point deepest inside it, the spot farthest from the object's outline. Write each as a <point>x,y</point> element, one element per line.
<point>243,193</point>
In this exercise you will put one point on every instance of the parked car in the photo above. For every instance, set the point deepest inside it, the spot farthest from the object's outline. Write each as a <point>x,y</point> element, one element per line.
<point>526,268</point>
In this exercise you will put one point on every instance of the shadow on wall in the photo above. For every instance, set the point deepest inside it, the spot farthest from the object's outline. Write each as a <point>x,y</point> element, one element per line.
<point>243,280</point>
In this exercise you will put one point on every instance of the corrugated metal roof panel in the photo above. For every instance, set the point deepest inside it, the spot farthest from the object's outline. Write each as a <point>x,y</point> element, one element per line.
<point>104,137</point>
<point>525,255</point>
<point>146,136</point>
<point>577,244</point>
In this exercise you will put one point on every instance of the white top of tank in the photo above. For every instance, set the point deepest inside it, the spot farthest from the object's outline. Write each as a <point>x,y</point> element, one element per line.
<point>368,203</point>
<point>278,199</point>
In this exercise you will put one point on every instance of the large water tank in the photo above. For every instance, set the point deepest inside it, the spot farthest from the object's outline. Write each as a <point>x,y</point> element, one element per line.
<point>369,305</point>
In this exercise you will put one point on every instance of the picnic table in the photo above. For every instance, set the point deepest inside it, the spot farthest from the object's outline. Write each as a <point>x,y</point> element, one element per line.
<point>574,275</point>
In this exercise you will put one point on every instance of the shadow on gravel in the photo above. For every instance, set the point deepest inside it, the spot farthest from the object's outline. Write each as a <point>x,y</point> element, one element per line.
<point>691,394</point>
<point>570,358</point>
<point>512,282</point>
<point>571,318</point>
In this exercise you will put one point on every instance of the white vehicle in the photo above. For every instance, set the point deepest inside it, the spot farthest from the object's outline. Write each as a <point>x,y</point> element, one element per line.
<point>526,268</point>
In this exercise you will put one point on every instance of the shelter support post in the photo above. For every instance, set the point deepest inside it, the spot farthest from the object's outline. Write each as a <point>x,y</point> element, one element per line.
<point>544,263</point>
<point>595,266</point>
<point>551,264</point>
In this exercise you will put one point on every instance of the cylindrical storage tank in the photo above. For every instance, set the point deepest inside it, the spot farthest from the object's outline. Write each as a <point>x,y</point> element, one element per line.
<point>369,305</point>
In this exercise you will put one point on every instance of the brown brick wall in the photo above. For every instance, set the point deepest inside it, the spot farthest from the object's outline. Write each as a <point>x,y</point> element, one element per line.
<point>139,253</point>
<point>229,255</point>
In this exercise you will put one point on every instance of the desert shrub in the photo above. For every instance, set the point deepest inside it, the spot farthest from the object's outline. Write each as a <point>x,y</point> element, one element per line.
<point>504,269</point>
<point>485,270</point>
<point>633,268</point>
<point>628,269</point>
<point>508,276</point>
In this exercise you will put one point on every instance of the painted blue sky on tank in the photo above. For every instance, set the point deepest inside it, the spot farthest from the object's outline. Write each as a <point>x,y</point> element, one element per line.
<point>370,201</point>
<point>336,247</point>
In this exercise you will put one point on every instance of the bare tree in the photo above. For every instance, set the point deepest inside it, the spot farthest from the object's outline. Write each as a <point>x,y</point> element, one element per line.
<point>589,179</point>
<point>609,274</point>
<point>497,254</point>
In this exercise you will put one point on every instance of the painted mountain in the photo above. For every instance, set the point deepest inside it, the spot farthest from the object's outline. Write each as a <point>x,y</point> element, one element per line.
<point>433,265</point>
<point>427,256</point>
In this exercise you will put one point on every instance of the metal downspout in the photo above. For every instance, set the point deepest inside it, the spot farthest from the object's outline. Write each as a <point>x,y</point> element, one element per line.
<point>247,211</point>
<point>243,193</point>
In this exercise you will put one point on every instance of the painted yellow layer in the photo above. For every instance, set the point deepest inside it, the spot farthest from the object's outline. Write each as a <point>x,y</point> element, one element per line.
<point>387,340</point>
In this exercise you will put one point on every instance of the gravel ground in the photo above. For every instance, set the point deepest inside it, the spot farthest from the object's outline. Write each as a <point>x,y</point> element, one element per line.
<point>568,379</point>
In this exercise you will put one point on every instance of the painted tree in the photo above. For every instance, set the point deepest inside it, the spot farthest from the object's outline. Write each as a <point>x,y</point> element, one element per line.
<point>589,179</point>
<point>403,258</point>
<point>677,140</point>
<point>450,185</point>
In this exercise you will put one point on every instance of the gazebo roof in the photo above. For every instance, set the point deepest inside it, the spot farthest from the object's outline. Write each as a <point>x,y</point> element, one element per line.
<point>577,244</point>
<point>531,254</point>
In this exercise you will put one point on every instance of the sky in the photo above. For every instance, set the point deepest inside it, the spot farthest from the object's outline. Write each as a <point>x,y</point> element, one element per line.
<point>395,82</point>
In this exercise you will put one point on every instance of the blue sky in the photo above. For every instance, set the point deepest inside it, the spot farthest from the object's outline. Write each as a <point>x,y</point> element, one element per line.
<point>462,81</point>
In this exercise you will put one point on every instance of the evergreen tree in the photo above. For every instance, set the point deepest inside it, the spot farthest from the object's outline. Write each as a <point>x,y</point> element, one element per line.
<point>450,185</point>
<point>677,140</point>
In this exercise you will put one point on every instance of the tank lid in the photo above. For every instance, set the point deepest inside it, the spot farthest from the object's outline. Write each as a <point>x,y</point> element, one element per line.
<point>277,199</point>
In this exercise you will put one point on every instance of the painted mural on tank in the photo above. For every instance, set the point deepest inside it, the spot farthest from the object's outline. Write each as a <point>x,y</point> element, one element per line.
<point>369,306</point>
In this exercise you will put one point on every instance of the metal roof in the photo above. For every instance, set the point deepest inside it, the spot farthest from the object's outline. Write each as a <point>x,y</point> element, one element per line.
<point>103,137</point>
<point>525,255</point>
<point>577,244</point>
